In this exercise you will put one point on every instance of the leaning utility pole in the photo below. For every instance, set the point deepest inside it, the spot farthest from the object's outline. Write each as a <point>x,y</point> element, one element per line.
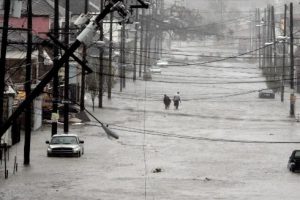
<point>101,70</point>
<point>292,96</point>
<point>3,56</point>
<point>86,5</point>
<point>28,80</point>
<point>67,67</point>
<point>83,37</point>
<point>55,77</point>
<point>283,55</point>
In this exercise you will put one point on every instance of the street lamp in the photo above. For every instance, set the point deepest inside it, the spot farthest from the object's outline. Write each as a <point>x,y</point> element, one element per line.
<point>105,127</point>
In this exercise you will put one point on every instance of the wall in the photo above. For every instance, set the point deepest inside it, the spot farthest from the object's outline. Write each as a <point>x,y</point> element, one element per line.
<point>40,24</point>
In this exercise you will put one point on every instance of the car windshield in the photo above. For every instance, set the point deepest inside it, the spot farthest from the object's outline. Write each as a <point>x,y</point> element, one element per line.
<point>297,154</point>
<point>267,91</point>
<point>64,140</point>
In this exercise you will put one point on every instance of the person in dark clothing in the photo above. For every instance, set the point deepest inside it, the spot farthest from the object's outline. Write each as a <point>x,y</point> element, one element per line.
<point>167,101</point>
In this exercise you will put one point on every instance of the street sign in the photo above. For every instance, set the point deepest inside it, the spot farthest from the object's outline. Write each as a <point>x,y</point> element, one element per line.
<point>54,117</point>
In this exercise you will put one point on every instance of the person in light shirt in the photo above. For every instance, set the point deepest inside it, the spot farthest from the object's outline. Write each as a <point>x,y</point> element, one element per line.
<point>176,100</point>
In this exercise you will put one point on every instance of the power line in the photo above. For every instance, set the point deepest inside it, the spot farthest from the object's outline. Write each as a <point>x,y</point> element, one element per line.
<point>189,137</point>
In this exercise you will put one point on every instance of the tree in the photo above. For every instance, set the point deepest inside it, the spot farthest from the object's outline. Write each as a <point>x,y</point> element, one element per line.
<point>93,89</point>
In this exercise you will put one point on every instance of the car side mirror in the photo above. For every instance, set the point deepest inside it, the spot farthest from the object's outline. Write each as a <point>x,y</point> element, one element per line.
<point>81,141</point>
<point>47,142</point>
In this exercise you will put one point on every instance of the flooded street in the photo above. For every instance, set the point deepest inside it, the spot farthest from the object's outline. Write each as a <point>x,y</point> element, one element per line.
<point>222,143</point>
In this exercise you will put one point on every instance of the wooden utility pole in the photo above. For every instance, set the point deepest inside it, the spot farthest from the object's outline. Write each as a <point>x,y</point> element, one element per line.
<point>149,33</point>
<point>269,69</point>
<point>264,41</point>
<point>121,60</point>
<point>110,75</point>
<point>270,39</point>
<point>124,62</point>
<point>283,55</point>
<point>146,46</point>
<point>3,56</point>
<point>55,62</point>
<point>256,21</point>
<point>135,45</point>
<point>266,44</point>
<point>28,110</point>
<point>123,54</point>
<point>274,42</point>
<point>156,35</point>
<point>66,92</point>
<point>292,96</point>
<point>86,5</point>
<point>101,70</point>
<point>162,13</point>
<point>141,43</point>
<point>259,39</point>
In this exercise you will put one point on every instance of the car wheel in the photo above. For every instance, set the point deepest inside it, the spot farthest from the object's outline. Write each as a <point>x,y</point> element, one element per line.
<point>79,154</point>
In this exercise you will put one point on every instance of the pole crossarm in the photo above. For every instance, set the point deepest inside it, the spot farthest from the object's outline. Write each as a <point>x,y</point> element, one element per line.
<point>143,4</point>
<point>83,64</point>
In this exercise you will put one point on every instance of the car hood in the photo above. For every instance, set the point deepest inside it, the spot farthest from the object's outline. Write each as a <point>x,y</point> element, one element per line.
<point>63,146</point>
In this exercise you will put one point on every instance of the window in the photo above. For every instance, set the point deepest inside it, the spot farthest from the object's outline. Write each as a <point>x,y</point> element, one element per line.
<point>297,154</point>
<point>64,140</point>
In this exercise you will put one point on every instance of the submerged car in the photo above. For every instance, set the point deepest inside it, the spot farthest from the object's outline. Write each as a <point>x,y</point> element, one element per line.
<point>162,63</point>
<point>294,161</point>
<point>147,75</point>
<point>65,145</point>
<point>155,69</point>
<point>266,94</point>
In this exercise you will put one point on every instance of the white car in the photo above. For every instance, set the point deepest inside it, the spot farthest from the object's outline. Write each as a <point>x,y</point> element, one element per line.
<point>65,145</point>
<point>155,69</point>
<point>162,63</point>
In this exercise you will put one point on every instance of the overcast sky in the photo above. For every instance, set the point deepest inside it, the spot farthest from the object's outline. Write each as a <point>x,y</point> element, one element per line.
<point>239,4</point>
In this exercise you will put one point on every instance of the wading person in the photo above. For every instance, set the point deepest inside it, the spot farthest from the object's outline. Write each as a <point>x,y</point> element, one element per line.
<point>176,100</point>
<point>167,101</point>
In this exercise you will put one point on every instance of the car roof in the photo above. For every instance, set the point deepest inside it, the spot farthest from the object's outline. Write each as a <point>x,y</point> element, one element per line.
<point>65,135</point>
<point>267,90</point>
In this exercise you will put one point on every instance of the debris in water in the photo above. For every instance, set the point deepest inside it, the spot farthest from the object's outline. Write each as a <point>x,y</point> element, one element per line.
<point>157,170</point>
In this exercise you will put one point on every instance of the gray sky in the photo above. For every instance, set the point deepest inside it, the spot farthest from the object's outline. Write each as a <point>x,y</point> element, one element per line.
<point>239,4</point>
